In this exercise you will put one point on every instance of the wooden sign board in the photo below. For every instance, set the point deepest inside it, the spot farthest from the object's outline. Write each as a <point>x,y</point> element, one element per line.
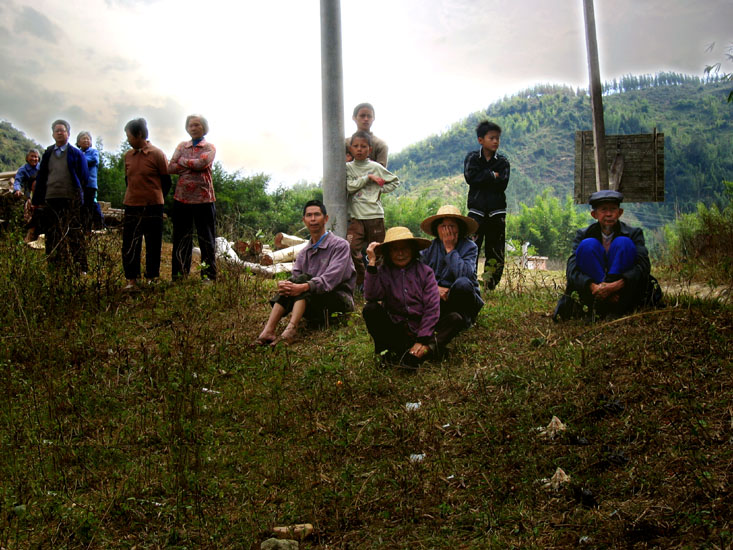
<point>643,166</point>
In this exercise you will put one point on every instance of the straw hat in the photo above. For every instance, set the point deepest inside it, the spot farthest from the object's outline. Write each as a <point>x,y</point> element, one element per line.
<point>449,211</point>
<point>396,234</point>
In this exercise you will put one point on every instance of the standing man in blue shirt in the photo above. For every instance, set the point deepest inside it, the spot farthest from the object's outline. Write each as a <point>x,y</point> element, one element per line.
<point>60,186</point>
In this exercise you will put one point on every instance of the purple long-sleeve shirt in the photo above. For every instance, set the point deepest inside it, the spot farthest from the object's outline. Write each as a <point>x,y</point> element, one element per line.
<point>410,294</point>
<point>330,265</point>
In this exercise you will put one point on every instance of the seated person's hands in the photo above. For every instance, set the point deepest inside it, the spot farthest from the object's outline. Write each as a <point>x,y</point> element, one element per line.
<point>444,291</point>
<point>607,291</point>
<point>418,350</point>
<point>289,288</point>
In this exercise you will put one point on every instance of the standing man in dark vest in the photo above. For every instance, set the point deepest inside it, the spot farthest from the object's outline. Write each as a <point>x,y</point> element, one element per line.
<point>60,185</point>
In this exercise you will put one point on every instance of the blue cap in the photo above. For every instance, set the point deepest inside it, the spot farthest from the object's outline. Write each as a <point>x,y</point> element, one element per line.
<point>606,195</point>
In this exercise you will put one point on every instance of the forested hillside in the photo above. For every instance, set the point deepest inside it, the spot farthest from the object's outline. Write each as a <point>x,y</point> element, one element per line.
<point>13,147</point>
<point>539,126</point>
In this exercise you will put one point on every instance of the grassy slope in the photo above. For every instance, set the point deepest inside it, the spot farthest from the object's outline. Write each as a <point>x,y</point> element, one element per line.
<point>109,440</point>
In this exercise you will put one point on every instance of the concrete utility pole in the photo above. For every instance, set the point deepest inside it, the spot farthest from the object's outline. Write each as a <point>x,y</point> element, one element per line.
<point>332,84</point>
<point>596,101</point>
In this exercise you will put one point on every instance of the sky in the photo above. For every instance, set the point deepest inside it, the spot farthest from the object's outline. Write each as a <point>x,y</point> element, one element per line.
<point>252,67</point>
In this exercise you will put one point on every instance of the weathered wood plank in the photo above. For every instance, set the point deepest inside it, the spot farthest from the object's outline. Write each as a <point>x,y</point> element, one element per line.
<point>643,174</point>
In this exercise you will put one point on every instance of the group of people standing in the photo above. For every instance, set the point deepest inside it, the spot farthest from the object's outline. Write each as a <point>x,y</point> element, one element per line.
<point>25,180</point>
<point>62,188</point>
<point>148,177</point>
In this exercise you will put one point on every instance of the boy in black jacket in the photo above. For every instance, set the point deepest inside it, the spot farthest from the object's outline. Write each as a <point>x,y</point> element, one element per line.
<point>487,175</point>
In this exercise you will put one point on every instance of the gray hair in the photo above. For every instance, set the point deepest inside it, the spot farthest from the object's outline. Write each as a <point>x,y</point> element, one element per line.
<point>36,151</point>
<point>82,134</point>
<point>62,122</point>
<point>202,118</point>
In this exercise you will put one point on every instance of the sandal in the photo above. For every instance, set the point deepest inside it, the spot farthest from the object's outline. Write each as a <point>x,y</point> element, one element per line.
<point>264,340</point>
<point>288,336</point>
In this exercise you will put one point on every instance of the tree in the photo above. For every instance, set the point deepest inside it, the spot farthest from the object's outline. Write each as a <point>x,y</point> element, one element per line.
<point>549,226</point>
<point>715,68</point>
<point>409,211</point>
<point>111,174</point>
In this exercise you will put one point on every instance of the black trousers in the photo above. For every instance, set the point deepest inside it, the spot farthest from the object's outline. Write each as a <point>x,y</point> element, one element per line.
<point>62,223</point>
<point>319,307</point>
<point>397,337</point>
<point>185,216</point>
<point>142,222</point>
<point>91,212</point>
<point>492,231</point>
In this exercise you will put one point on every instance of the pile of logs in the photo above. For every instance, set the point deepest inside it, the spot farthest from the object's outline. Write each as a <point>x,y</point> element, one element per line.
<point>260,258</point>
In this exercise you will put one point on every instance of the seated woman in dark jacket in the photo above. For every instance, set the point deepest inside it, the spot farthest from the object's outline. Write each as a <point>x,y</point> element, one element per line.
<point>452,257</point>
<point>406,323</point>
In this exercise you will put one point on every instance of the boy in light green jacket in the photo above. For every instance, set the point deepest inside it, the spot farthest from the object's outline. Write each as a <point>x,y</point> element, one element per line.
<point>366,180</point>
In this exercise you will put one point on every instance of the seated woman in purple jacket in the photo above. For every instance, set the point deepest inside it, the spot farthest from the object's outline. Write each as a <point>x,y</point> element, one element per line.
<point>406,324</point>
<point>452,257</point>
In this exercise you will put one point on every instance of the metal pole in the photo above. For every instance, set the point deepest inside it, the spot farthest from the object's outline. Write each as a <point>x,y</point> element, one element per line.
<point>596,102</point>
<point>334,160</point>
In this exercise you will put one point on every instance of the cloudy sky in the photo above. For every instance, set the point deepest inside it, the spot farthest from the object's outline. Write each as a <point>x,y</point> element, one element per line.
<point>252,67</point>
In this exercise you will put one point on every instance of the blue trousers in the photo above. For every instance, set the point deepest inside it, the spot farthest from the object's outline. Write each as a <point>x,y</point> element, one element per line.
<point>593,260</point>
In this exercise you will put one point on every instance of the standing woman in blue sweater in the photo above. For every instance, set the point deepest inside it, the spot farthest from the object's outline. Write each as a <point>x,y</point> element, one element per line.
<point>91,211</point>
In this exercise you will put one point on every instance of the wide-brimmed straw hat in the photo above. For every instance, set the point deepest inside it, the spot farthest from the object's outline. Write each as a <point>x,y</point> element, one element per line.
<point>449,211</point>
<point>397,234</point>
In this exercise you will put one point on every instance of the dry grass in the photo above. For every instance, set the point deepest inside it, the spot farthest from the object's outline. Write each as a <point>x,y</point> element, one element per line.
<point>109,438</point>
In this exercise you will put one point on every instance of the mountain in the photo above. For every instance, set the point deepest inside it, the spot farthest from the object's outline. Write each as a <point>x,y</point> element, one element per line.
<point>539,126</point>
<point>13,147</point>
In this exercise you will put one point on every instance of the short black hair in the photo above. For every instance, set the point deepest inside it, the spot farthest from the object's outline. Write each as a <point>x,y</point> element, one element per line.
<point>363,106</point>
<point>361,134</point>
<point>138,127</point>
<point>315,202</point>
<point>485,127</point>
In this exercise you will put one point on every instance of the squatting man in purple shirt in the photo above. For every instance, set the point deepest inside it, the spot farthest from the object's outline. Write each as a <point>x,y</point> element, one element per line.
<point>322,281</point>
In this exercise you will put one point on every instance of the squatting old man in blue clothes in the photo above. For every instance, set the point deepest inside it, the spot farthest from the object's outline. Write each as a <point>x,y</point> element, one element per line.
<point>609,267</point>
<point>452,256</point>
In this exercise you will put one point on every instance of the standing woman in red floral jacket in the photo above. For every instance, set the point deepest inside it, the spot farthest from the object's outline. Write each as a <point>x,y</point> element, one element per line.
<point>194,200</point>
